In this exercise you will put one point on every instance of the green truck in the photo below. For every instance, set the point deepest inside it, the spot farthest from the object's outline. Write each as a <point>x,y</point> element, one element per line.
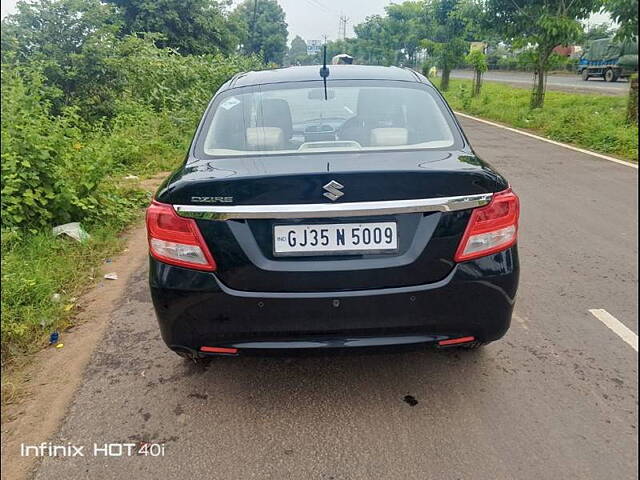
<point>609,59</point>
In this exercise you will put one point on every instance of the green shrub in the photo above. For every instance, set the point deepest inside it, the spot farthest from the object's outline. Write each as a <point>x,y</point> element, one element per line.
<point>57,167</point>
<point>507,63</point>
<point>63,152</point>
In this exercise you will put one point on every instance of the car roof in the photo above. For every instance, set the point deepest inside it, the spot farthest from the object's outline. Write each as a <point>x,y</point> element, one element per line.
<point>336,72</point>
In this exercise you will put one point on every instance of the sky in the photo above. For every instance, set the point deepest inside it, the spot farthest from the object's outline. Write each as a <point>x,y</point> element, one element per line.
<point>311,19</point>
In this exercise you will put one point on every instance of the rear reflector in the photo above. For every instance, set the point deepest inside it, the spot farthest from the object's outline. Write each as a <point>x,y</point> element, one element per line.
<point>218,350</point>
<point>491,228</point>
<point>176,240</point>
<point>455,341</point>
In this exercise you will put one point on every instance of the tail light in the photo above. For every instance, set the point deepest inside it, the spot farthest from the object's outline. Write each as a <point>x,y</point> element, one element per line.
<point>491,228</point>
<point>176,240</point>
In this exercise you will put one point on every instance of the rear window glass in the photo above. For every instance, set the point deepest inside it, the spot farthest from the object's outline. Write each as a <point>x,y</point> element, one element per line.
<point>299,119</point>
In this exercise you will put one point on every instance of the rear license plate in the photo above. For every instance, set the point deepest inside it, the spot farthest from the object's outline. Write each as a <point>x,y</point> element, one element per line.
<point>335,239</point>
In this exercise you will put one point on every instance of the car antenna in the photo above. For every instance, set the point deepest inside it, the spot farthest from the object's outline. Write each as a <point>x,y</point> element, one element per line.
<point>324,71</point>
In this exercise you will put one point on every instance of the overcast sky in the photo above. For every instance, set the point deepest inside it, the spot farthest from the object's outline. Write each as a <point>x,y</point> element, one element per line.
<point>311,19</point>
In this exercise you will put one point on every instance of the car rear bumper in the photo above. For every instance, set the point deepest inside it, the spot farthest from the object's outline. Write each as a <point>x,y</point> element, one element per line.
<point>195,309</point>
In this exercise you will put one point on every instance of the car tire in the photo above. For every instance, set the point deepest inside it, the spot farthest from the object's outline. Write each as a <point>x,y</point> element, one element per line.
<point>611,75</point>
<point>585,74</point>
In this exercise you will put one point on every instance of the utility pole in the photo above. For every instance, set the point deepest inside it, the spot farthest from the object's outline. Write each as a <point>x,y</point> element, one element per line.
<point>342,31</point>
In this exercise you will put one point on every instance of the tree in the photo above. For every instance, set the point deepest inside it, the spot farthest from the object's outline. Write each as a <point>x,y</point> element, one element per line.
<point>632,102</point>
<point>56,29</point>
<point>625,13</point>
<point>594,32</point>
<point>69,41</point>
<point>478,60</point>
<point>542,24</point>
<point>375,43</point>
<point>406,25</point>
<point>297,54</point>
<point>447,43</point>
<point>263,29</point>
<point>392,39</point>
<point>189,26</point>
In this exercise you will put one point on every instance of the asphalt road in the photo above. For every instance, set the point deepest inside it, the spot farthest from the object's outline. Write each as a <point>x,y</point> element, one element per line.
<point>555,399</point>
<point>562,82</point>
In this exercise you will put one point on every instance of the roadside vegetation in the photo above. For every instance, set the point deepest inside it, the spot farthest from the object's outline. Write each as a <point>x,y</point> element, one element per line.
<point>513,35</point>
<point>59,168</point>
<point>594,122</point>
<point>83,122</point>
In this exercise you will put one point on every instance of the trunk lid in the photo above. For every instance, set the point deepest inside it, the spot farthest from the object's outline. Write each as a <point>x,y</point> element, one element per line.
<point>244,248</point>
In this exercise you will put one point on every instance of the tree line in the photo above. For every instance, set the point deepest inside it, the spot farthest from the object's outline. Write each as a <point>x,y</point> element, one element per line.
<point>444,30</point>
<point>190,27</point>
<point>93,90</point>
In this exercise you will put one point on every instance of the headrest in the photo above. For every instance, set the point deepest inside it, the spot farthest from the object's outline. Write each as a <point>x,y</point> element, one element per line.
<point>275,112</point>
<point>265,138</point>
<point>372,102</point>
<point>380,105</point>
<point>389,137</point>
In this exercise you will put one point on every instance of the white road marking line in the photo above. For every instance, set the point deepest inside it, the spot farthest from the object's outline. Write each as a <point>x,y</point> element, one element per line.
<point>618,327</point>
<point>553,142</point>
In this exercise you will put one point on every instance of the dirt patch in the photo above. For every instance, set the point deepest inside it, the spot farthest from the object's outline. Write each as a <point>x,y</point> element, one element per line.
<point>47,384</point>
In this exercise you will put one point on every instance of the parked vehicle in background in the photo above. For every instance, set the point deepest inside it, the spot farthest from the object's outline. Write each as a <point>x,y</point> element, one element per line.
<point>342,59</point>
<point>609,59</point>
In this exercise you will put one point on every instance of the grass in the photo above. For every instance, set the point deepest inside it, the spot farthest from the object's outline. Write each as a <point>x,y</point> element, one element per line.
<point>35,270</point>
<point>42,276</point>
<point>589,121</point>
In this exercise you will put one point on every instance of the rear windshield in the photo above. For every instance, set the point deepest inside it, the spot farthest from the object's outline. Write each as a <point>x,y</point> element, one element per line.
<point>296,118</point>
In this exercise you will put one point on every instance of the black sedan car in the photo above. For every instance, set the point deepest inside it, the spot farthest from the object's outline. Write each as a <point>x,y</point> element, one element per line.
<point>342,212</point>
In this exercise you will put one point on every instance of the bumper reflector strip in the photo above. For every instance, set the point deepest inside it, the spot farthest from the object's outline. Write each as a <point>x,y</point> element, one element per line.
<point>455,341</point>
<point>218,350</point>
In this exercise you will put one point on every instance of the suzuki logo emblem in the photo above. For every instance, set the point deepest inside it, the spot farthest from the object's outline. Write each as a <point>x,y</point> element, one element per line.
<point>333,190</point>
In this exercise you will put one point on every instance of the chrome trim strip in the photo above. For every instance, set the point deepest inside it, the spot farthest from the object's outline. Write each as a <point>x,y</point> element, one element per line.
<point>324,210</point>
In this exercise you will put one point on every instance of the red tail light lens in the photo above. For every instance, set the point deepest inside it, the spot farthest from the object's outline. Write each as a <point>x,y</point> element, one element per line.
<point>231,351</point>
<point>456,341</point>
<point>491,228</point>
<point>176,240</point>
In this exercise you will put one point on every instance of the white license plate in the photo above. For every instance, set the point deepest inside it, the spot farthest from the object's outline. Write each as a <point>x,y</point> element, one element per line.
<point>334,239</point>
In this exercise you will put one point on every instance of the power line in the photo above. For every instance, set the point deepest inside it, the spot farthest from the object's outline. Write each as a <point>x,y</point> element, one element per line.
<point>321,5</point>
<point>314,5</point>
